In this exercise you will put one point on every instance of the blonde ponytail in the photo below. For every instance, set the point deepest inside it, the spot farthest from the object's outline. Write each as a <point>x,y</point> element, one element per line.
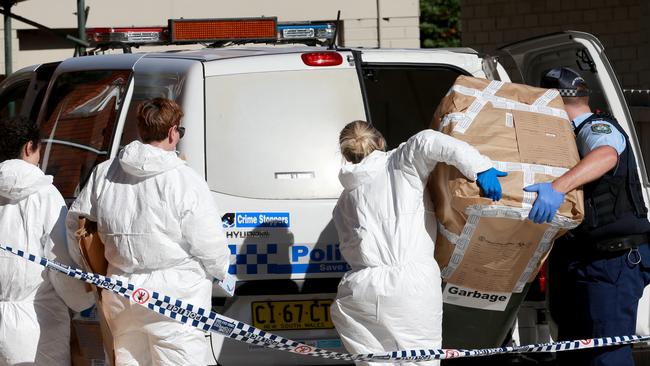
<point>358,139</point>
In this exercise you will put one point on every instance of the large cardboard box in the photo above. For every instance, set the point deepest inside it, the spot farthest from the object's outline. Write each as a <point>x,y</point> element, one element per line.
<point>488,250</point>
<point>86,345</point>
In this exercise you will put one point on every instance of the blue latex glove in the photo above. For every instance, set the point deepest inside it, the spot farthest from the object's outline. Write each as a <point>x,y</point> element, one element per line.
<point>487,181</point>
<point>547,202</point>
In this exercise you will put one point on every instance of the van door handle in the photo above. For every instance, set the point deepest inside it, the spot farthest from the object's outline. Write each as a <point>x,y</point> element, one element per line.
<point>295,175</point>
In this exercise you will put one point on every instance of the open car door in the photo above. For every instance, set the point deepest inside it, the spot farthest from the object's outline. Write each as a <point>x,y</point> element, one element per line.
<point>528,60</point>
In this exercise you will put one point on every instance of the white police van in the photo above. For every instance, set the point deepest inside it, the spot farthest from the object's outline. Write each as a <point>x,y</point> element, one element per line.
<point>262,125</point>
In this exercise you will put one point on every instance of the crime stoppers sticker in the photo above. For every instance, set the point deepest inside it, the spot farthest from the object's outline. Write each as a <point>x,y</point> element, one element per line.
<point>141,296</point>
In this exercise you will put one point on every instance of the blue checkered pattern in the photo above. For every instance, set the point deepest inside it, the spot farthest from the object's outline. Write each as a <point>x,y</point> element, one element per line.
<point>254,259</point>
<point>213,322</point>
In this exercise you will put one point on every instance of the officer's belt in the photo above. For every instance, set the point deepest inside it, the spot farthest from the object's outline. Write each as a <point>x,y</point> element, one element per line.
<point>621,243</point>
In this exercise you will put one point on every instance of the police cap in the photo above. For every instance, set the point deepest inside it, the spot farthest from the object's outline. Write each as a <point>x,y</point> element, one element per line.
<point>566,81</point>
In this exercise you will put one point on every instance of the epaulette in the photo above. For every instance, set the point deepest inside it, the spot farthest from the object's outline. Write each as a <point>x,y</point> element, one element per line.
<point>603,115</point>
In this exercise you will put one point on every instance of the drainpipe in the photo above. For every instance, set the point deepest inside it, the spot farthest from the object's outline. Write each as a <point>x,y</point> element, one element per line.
<point>378,26</point>
<point>7,28</point>
<point>81,25</point>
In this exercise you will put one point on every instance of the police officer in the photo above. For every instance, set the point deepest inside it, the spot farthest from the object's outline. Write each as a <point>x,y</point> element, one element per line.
<point>599,270</point>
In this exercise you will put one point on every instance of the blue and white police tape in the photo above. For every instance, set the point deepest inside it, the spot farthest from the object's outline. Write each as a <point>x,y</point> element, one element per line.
<point>216,323</point>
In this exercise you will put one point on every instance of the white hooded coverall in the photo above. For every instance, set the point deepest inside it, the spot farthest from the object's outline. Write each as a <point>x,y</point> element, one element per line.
<point>34,318</point>
<point>391,299</point>
<point>162,231</point>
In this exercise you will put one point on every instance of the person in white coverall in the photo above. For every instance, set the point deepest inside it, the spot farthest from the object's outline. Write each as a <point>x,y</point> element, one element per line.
<point>34,318</point>
<point>391,299</point>
<point>162,231</point>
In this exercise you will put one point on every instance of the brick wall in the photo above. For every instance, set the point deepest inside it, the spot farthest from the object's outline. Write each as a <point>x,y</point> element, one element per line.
<point>621,25</point>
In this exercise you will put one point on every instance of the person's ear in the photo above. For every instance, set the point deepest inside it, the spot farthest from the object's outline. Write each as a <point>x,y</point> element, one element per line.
<point>30,153</point>
<point>29,149</point>
<point>170,135</point>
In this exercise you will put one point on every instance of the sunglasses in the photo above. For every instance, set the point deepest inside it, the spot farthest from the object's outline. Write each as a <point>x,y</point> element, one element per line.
<point>181,131</point>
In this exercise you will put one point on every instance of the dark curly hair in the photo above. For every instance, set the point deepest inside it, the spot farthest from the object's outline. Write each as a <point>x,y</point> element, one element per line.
<point>15,132</point>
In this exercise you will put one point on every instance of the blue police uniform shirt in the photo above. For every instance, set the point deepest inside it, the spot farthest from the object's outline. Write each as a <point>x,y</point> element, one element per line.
<point>597,133</point>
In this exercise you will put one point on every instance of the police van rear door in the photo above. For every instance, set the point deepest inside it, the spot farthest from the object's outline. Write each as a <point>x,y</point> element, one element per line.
<point>272,120</point>
<point>402,88</point>
<point>527,60</point>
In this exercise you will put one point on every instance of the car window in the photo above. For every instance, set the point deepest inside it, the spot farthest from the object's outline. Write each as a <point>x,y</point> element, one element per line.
<point>11,100</point>
<point>275,135</point>
<point>147,86</point>
<point>78,125</point>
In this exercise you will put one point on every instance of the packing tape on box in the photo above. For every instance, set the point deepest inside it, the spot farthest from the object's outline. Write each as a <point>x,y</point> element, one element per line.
<point>476,212</point>
<point>529,171</point>
<point>463,120</point>
<point>546,98</point>
<point>210,321</point>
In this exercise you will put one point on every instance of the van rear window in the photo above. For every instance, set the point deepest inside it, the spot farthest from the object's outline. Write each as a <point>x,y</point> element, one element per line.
<point>78,125</point>
<point>274,135</point>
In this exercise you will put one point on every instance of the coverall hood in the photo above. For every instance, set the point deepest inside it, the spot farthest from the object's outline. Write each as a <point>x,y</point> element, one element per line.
<point>19,179</point>
<point>144,160</point>
<point>354,175</point>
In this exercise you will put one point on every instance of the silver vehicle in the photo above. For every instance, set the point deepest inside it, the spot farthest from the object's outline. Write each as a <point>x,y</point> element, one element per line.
<point>262,127</point>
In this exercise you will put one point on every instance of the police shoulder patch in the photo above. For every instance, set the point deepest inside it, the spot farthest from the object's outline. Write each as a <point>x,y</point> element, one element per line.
<point>603,128</point>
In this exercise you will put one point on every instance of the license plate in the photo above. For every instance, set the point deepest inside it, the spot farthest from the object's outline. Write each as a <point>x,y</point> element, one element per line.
<point>292,315</point>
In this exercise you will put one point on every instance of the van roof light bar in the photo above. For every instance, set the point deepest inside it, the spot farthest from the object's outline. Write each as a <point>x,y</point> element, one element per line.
<point>314,32</point>
<point>216,32</point>
<point>222,30</point>
<point>131,35</point>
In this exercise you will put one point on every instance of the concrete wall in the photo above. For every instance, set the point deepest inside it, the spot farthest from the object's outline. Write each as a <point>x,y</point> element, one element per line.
<point>399,25</point>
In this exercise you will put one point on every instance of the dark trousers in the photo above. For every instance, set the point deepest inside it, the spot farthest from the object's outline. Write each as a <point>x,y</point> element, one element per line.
<point>593,295</point>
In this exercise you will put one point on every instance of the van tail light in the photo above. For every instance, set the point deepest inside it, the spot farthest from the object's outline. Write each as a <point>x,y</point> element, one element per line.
<point>322,58</point>
<point>537,290</point>
<point>541,277</point>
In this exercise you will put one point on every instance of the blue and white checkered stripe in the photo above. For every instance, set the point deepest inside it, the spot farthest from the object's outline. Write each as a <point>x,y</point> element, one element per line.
<point>213,322</point>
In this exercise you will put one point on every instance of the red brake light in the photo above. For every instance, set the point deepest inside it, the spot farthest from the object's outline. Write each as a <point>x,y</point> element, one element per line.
<point>542,279</point>
<point>322,58</point>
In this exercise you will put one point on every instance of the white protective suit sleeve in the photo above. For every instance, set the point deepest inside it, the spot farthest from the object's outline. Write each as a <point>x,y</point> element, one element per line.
<point>424,150</point>
<point>202,229</point>
<point>72,291</point>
